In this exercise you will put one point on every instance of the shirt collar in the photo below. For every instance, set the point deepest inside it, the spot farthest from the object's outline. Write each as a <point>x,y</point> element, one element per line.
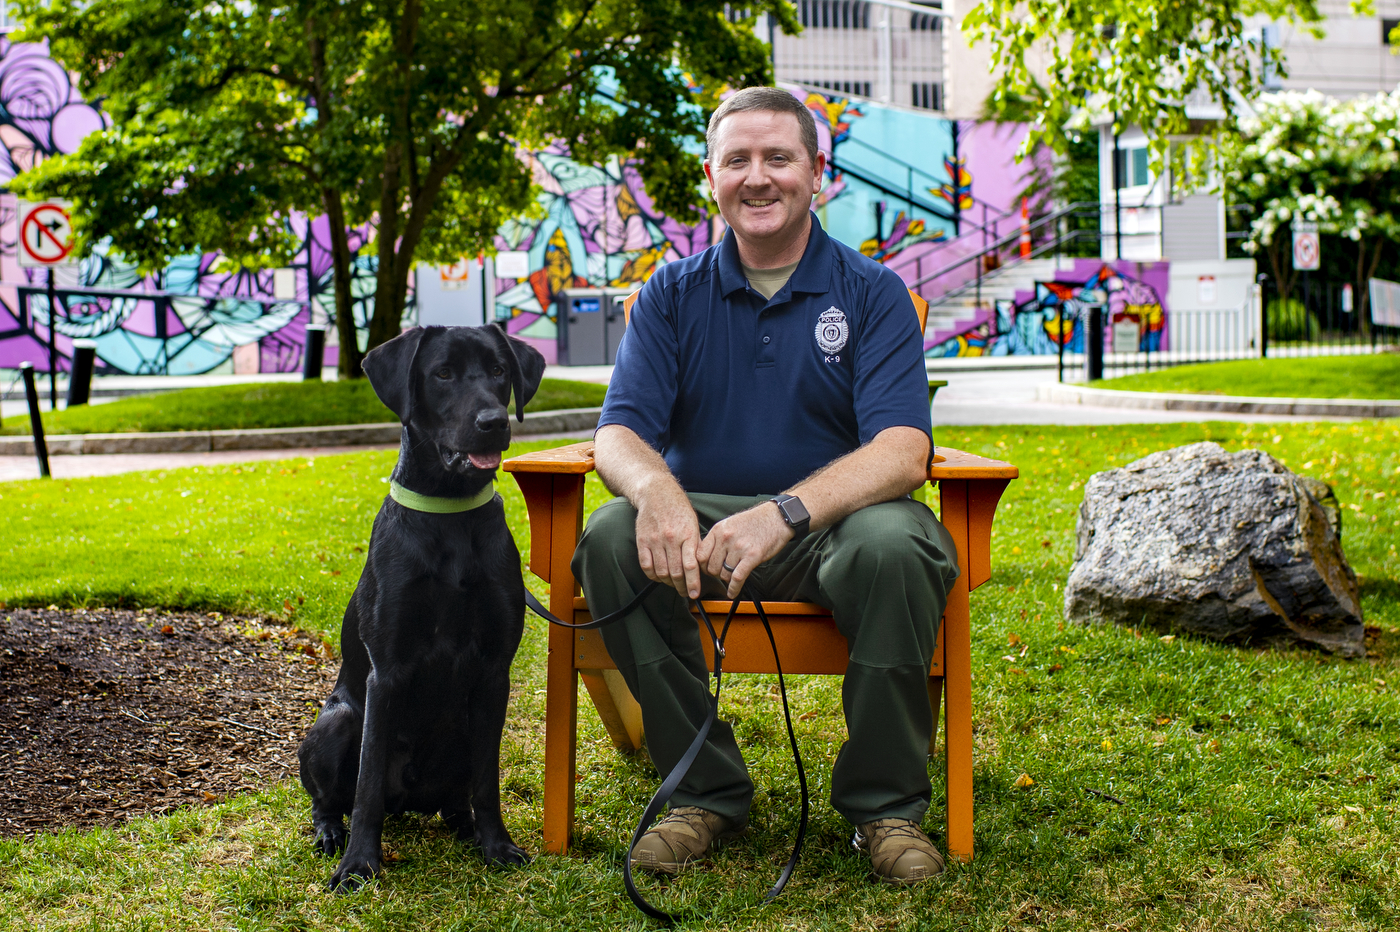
<point>813,274</point>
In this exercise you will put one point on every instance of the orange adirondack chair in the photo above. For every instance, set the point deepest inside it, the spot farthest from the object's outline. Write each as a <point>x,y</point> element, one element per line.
<point>552,481</point>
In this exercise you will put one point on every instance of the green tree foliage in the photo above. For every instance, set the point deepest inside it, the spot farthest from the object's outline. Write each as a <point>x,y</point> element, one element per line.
<point>1139,60</point>
<point>1305,156</point>
<point>403,113</point>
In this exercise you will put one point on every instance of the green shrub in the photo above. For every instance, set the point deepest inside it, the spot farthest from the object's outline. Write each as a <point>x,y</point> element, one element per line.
<point>1290,320</point>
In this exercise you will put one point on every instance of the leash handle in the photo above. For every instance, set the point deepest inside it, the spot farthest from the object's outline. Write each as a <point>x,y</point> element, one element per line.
<point>682,766</point>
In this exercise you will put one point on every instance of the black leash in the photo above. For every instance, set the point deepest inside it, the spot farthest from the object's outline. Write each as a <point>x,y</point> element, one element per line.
<point>678,772</point>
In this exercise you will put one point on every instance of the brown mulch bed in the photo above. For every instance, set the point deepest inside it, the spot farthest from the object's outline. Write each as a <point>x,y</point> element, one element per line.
<point>108,714</point>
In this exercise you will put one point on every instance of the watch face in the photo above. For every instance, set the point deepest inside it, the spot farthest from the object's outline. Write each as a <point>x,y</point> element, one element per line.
<point>794,511</point>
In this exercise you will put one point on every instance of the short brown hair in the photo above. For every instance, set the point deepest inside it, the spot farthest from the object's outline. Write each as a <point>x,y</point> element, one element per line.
<point>770,100</point>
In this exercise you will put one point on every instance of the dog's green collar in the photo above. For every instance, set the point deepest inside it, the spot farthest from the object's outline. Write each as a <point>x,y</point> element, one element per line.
<point>437,505</point>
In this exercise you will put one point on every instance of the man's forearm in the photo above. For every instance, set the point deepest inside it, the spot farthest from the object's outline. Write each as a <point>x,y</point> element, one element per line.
<point>893,464</point>
<point>629,466</point>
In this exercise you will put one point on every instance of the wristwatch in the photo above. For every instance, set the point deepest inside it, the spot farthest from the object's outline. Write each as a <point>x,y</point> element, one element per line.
<point>794,514</point>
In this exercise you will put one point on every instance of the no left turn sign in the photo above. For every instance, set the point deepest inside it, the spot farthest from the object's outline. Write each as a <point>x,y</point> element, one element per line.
<point>45,234</point>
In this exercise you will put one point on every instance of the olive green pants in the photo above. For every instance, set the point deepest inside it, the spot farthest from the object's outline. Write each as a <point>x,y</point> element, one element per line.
<point>884,572</point>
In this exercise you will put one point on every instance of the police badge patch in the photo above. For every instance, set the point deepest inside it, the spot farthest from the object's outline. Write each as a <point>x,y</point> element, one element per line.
<point>832,332</point>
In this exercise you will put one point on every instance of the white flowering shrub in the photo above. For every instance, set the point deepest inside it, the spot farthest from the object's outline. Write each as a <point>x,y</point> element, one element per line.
<point>1306,156</point>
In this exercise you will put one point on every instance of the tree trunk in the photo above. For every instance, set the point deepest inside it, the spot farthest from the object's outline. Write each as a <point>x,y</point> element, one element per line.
<point>1280,262</point>
<point>1362,301</point>
<point>350,355</point>
<point>348,366</point>
<point>391,289</point>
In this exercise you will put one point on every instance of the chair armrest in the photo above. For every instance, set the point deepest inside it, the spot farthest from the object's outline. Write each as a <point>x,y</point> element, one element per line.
<point>576,458</point>
<point>969,488</point>
<point>955,464</point>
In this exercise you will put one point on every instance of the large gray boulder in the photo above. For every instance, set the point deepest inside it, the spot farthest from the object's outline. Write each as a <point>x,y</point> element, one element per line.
<point>1229,546</point>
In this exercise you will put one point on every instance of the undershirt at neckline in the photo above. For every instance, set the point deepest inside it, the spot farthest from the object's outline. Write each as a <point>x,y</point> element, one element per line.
<point>769,282</point>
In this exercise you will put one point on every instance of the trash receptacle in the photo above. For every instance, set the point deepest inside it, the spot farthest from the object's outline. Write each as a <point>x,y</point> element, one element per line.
<point>617,321</point>
<point>583,327</point>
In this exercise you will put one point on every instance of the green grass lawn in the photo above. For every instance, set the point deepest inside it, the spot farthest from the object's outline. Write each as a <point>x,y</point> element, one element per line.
<point>1375,376</point>
<point>1258,789</point>
<point>265,404</point>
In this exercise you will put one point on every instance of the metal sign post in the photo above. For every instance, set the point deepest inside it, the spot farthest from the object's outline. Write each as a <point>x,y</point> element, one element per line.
<point>45,239</point>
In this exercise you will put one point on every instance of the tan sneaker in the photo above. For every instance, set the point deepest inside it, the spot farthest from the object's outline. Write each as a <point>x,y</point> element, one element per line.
<point>899,850</point>
<point>684,834</point>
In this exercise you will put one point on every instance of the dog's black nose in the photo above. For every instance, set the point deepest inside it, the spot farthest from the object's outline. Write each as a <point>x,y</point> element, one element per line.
<point>488,421</point>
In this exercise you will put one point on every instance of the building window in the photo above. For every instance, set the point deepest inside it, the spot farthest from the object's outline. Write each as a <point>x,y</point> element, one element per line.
<point>859,88</point>
<point>1387,27</point>
<point>834,14</point>
<point>6,24</point>
<point>928,95</point>
<point>923,22</point>
<point>1130,168</point>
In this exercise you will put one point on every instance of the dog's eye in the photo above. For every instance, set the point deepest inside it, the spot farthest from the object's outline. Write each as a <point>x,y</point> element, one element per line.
<point>444,373</point>
<point>498,371</point>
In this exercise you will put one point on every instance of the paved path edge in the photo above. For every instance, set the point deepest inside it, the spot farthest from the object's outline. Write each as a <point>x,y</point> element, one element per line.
<point>1220,404</point>
<point>275,438</point>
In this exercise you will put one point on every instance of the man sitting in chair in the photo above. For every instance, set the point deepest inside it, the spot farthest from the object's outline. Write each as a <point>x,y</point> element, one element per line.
<point>766,421</point>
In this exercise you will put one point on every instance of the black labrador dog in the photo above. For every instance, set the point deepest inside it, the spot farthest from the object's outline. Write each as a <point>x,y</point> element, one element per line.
<point>414,723</point>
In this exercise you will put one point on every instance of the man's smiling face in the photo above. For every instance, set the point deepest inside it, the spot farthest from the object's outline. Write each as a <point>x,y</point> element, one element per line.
<point>763,179</point>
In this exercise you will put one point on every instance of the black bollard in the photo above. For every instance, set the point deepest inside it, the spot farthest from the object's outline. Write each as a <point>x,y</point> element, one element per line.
<point>80,378</point>
<point>314,354</point>
<point>36,423</point>
<point>1093,343</point>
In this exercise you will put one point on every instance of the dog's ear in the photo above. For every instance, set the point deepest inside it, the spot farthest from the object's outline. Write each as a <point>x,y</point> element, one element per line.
<point>389,368</point>
<point>526,367</point>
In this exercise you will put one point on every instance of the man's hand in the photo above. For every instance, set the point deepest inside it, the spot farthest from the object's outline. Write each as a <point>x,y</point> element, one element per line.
<point>741,542</point>
<point>668,536</point>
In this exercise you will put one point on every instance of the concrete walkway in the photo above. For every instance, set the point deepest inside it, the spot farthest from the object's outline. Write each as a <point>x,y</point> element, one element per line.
<point>975,395</point>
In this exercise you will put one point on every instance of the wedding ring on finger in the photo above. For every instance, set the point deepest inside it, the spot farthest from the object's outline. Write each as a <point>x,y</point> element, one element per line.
<point>728,567</point>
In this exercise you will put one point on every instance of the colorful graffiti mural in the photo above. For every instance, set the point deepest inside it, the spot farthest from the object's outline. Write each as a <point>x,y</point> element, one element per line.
<point>600,229</point>
<point>200,316</point>
<point>888,169</point>
<point>1051,317</point>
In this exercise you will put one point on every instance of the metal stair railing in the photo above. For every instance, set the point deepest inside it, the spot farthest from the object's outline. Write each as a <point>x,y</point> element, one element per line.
<point>1076,209</point>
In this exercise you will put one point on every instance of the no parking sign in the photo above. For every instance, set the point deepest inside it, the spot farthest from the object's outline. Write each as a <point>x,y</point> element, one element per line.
<point>1307,247</point>
<point>45,234</point>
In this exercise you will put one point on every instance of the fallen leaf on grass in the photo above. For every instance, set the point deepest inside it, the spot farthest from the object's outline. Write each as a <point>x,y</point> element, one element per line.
<point>807,716</point>
<point>1012,640</point>
<point>1167,638</point>
<point>209,797</point>
<point>1164,720</point>
<point>1055,668</point>
<point>1024,781</point>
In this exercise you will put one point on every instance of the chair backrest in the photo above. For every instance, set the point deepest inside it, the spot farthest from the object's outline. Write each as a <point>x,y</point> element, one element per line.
<point>920,308</point>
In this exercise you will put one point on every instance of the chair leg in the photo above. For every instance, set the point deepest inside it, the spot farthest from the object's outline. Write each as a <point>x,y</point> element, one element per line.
<point>621,714</point>
<point>560,738</point>
<point>935,699</point>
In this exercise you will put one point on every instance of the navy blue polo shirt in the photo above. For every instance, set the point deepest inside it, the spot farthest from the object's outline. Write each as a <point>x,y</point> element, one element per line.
<point>746,396</point>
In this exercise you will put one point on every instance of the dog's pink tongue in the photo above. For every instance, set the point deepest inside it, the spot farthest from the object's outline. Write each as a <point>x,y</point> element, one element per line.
<point>485,460</point>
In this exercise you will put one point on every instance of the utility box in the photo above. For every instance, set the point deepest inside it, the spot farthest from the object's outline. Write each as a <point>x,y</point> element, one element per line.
<point>591,324</point>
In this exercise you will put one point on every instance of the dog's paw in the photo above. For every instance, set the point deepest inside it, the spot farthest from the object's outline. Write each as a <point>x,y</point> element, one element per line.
<point>505,854</point>
<point>353,873</point>
<point>330,840</point>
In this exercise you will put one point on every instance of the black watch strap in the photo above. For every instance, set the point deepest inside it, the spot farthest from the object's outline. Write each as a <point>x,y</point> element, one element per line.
<point>794,513</point>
